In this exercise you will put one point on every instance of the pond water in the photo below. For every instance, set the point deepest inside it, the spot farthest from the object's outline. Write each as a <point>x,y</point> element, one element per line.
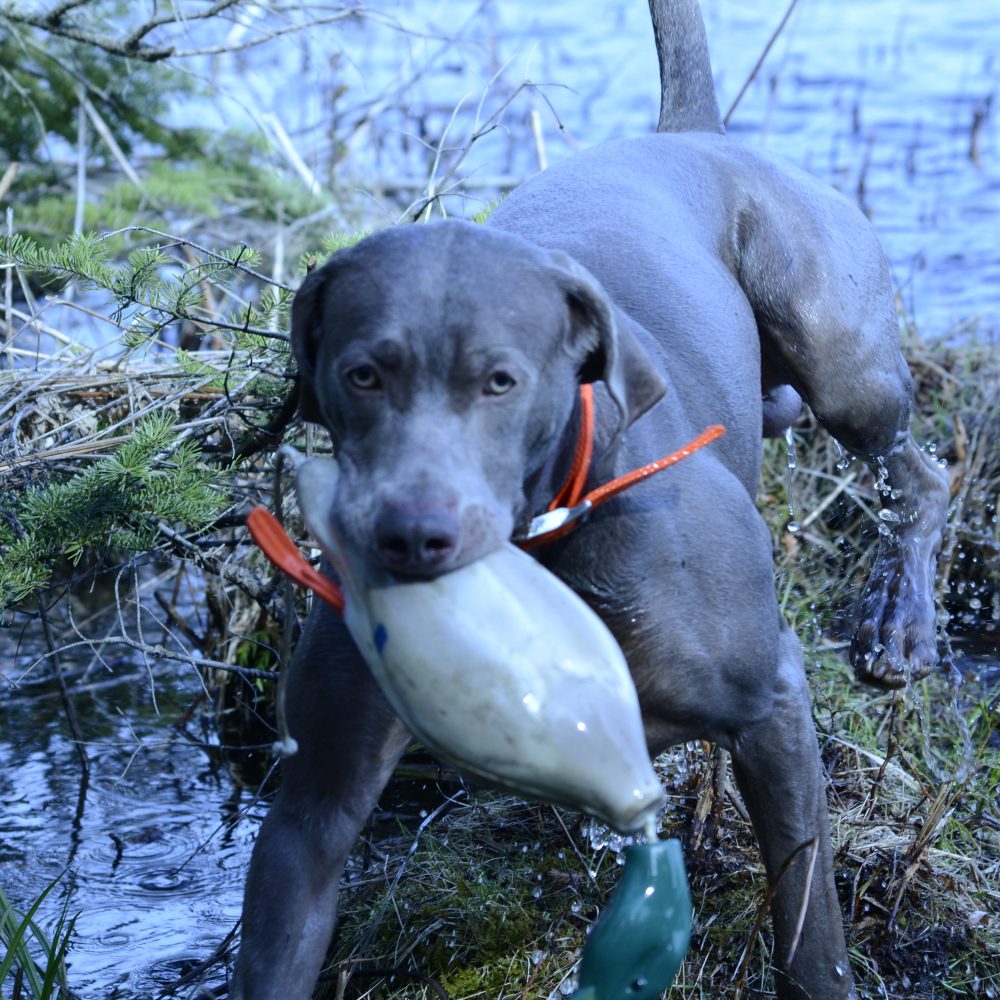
<point>884,90</point>
<point>892,101</point>
<point>152,853</point>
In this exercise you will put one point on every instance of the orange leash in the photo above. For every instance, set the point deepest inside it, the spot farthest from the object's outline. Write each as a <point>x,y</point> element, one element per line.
<point>604,493</point>
<point>268,533</point>
<point>572,489</point>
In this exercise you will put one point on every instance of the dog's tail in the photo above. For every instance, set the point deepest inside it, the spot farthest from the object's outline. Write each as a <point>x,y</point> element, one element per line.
<point>687,92</point>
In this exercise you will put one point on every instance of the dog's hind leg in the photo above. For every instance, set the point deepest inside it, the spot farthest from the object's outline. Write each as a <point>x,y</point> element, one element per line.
<point>349,742</point>
<point>777,767</point>
<point>822,296</point>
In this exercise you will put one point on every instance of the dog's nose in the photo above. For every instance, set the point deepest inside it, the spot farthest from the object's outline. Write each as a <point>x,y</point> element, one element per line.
<point>413,540</point>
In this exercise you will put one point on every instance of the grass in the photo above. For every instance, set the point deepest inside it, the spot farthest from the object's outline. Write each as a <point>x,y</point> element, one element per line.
<point>21,936</point>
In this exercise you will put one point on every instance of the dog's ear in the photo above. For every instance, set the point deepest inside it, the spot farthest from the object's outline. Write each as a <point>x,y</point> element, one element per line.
<point>307,319</point>
<point>612,353</point>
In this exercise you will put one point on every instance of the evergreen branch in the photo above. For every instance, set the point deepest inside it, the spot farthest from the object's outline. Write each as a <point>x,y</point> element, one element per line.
<point>137,282</point>
<point>233,260</point>
<point>115,505</point>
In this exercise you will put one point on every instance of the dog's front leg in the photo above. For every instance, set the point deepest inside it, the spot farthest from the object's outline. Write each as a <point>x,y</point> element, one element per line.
<point>777,767</point>
<point>349,741</point>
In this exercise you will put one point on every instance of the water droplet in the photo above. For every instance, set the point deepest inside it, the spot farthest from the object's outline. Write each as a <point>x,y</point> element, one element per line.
<point>790,456</point>
<point>536,893</point>
<point>791,461</point>
<point>792,527</point>
<point>889,515</point>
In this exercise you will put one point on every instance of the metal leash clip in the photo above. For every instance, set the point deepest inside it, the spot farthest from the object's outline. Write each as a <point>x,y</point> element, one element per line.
<point>552,521</point>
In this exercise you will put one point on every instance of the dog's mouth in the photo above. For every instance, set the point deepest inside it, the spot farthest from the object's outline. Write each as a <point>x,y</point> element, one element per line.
<point>400,569</point>
<point>422,541</point>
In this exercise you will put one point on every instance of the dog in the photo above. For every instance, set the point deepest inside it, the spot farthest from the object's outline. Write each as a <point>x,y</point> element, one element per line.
<point>692,281</point>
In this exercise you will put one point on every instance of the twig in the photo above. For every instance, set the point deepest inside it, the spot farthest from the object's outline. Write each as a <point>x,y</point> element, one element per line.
<point>68,706</point>
<point>417,208</point>
<point>132,46</point>
<point>804,904</point>
<point>539,137</point>
<point>56,15</point>
<point>739,977</point>
<point>109,140</point>
<point>760,62</point>
<point>842,485</point>
<point>8,294</point>
<point>133,40</point>
<point>155,652</point>
<point>286,145</point>
<point>576,850</point>
<point>8,178</point>
<point>81,162</point>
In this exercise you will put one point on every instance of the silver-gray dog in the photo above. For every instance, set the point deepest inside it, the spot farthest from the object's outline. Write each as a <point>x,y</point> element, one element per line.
<point>695,281</point>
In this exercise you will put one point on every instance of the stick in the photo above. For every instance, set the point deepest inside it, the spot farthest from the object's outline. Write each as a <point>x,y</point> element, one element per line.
<point>109,140</point>
<point>8,178</point>
<point>68,706</point>
<point>760,62</point>
<point>8,294</point>
<point>81,162</point>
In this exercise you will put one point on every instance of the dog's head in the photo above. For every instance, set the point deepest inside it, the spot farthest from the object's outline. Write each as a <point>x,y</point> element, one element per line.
<point>445,361</point>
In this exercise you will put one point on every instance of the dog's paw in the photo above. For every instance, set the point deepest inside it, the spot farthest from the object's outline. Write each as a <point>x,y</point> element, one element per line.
<point>896,637</point>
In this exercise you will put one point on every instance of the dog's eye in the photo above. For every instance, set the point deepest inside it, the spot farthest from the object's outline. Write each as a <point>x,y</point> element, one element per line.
<point>499,383</point>
<point>364,377</point>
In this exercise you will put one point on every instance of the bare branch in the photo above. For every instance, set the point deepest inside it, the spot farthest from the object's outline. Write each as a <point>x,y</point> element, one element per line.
<point>436,188</point>
<point>133,40</point>
<point>132,46</point>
